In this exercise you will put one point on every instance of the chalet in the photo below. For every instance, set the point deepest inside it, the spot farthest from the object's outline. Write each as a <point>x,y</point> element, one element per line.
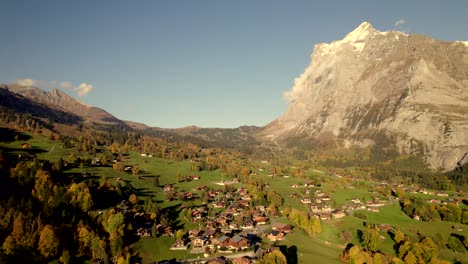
<point>246,197</point>
<point>209,233</point>
<point>221,221</point>
<point>26,156</point>
<point>222,241</point>
<point>249,224</point>
<point>442,194</point>
<point>242,260</point>
<point>144,154</point>
<point>242,191</point>
<point>314,208</point>
<point>294,186</point>
<point>325,216</point>
<point>326,198</point>
<point>423,191</point>
<point>142,232</point>
<point>238,242</point>
<point>319,193</point>
<point>201,188</point>
<point>168,187</point>
<point>305,200</point>
<point>189,196</point>
<point>197,215</point>
<point>375,203</point>
<point>164,230</point>
<point>385,227</point>
<point>275,235</point>
<point>220,260</point>
<point>212,194</point>
<point>326,208</point>
<point>199,241</point>
<point>194,233</point>
<point>179,244</point>
<point>338,214</point>
<point>285,228</point>
<point>260,220</point>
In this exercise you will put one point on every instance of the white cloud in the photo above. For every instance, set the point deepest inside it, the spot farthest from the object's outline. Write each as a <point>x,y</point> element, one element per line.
<point>84,89</point>
<point>66,85</point>
<point>400,22</point>
<point>25,82</point>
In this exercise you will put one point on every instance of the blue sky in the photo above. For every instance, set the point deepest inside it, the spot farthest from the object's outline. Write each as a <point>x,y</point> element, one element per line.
<point>205,63</point>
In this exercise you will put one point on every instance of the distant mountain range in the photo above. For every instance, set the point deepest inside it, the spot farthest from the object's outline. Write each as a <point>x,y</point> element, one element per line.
<point>59,107</point>
<point>371,89</point>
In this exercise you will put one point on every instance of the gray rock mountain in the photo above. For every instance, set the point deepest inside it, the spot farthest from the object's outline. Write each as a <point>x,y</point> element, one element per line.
<point>372,87</point>
<point>60,100</point>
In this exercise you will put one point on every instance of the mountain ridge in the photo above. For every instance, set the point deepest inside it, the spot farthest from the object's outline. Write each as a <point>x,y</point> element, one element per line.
<point>59,100</point>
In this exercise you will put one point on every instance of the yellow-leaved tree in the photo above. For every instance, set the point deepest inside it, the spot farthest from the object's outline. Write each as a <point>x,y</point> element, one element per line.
<point>48,242</point>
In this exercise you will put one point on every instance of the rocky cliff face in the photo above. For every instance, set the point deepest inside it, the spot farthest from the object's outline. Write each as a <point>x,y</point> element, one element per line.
<point>60,100</point>
<point>411,90</point>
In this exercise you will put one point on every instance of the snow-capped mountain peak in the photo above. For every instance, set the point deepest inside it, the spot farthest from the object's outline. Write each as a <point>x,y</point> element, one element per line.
<point>409,89</point>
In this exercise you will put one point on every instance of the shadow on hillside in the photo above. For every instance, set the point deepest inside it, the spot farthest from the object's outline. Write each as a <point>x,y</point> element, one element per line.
<point>290,253</point>
<point>144,192</point>
<point>19,154</point>
<point>8,135</point>
<point>171,215</point>
<point>147,176</point>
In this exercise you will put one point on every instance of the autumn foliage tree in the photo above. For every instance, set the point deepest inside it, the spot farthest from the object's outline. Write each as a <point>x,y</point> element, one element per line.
<point>274,257</point>
<point>48,242</point>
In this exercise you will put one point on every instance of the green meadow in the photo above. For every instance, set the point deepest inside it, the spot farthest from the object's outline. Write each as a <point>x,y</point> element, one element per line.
<point>324,249</point>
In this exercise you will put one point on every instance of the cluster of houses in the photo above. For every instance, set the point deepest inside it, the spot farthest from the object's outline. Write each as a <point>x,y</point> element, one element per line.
<point>233,229</point>
<point>320,203</point>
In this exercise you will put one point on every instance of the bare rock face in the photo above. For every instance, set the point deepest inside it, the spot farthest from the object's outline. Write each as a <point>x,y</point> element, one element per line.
<point>410,89</point>
<point>60,100</point>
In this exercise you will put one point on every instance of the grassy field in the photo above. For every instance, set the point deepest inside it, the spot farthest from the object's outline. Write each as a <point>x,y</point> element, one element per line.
<point>311,250</point>
<point>325,249</point>
<point>151,250</point>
